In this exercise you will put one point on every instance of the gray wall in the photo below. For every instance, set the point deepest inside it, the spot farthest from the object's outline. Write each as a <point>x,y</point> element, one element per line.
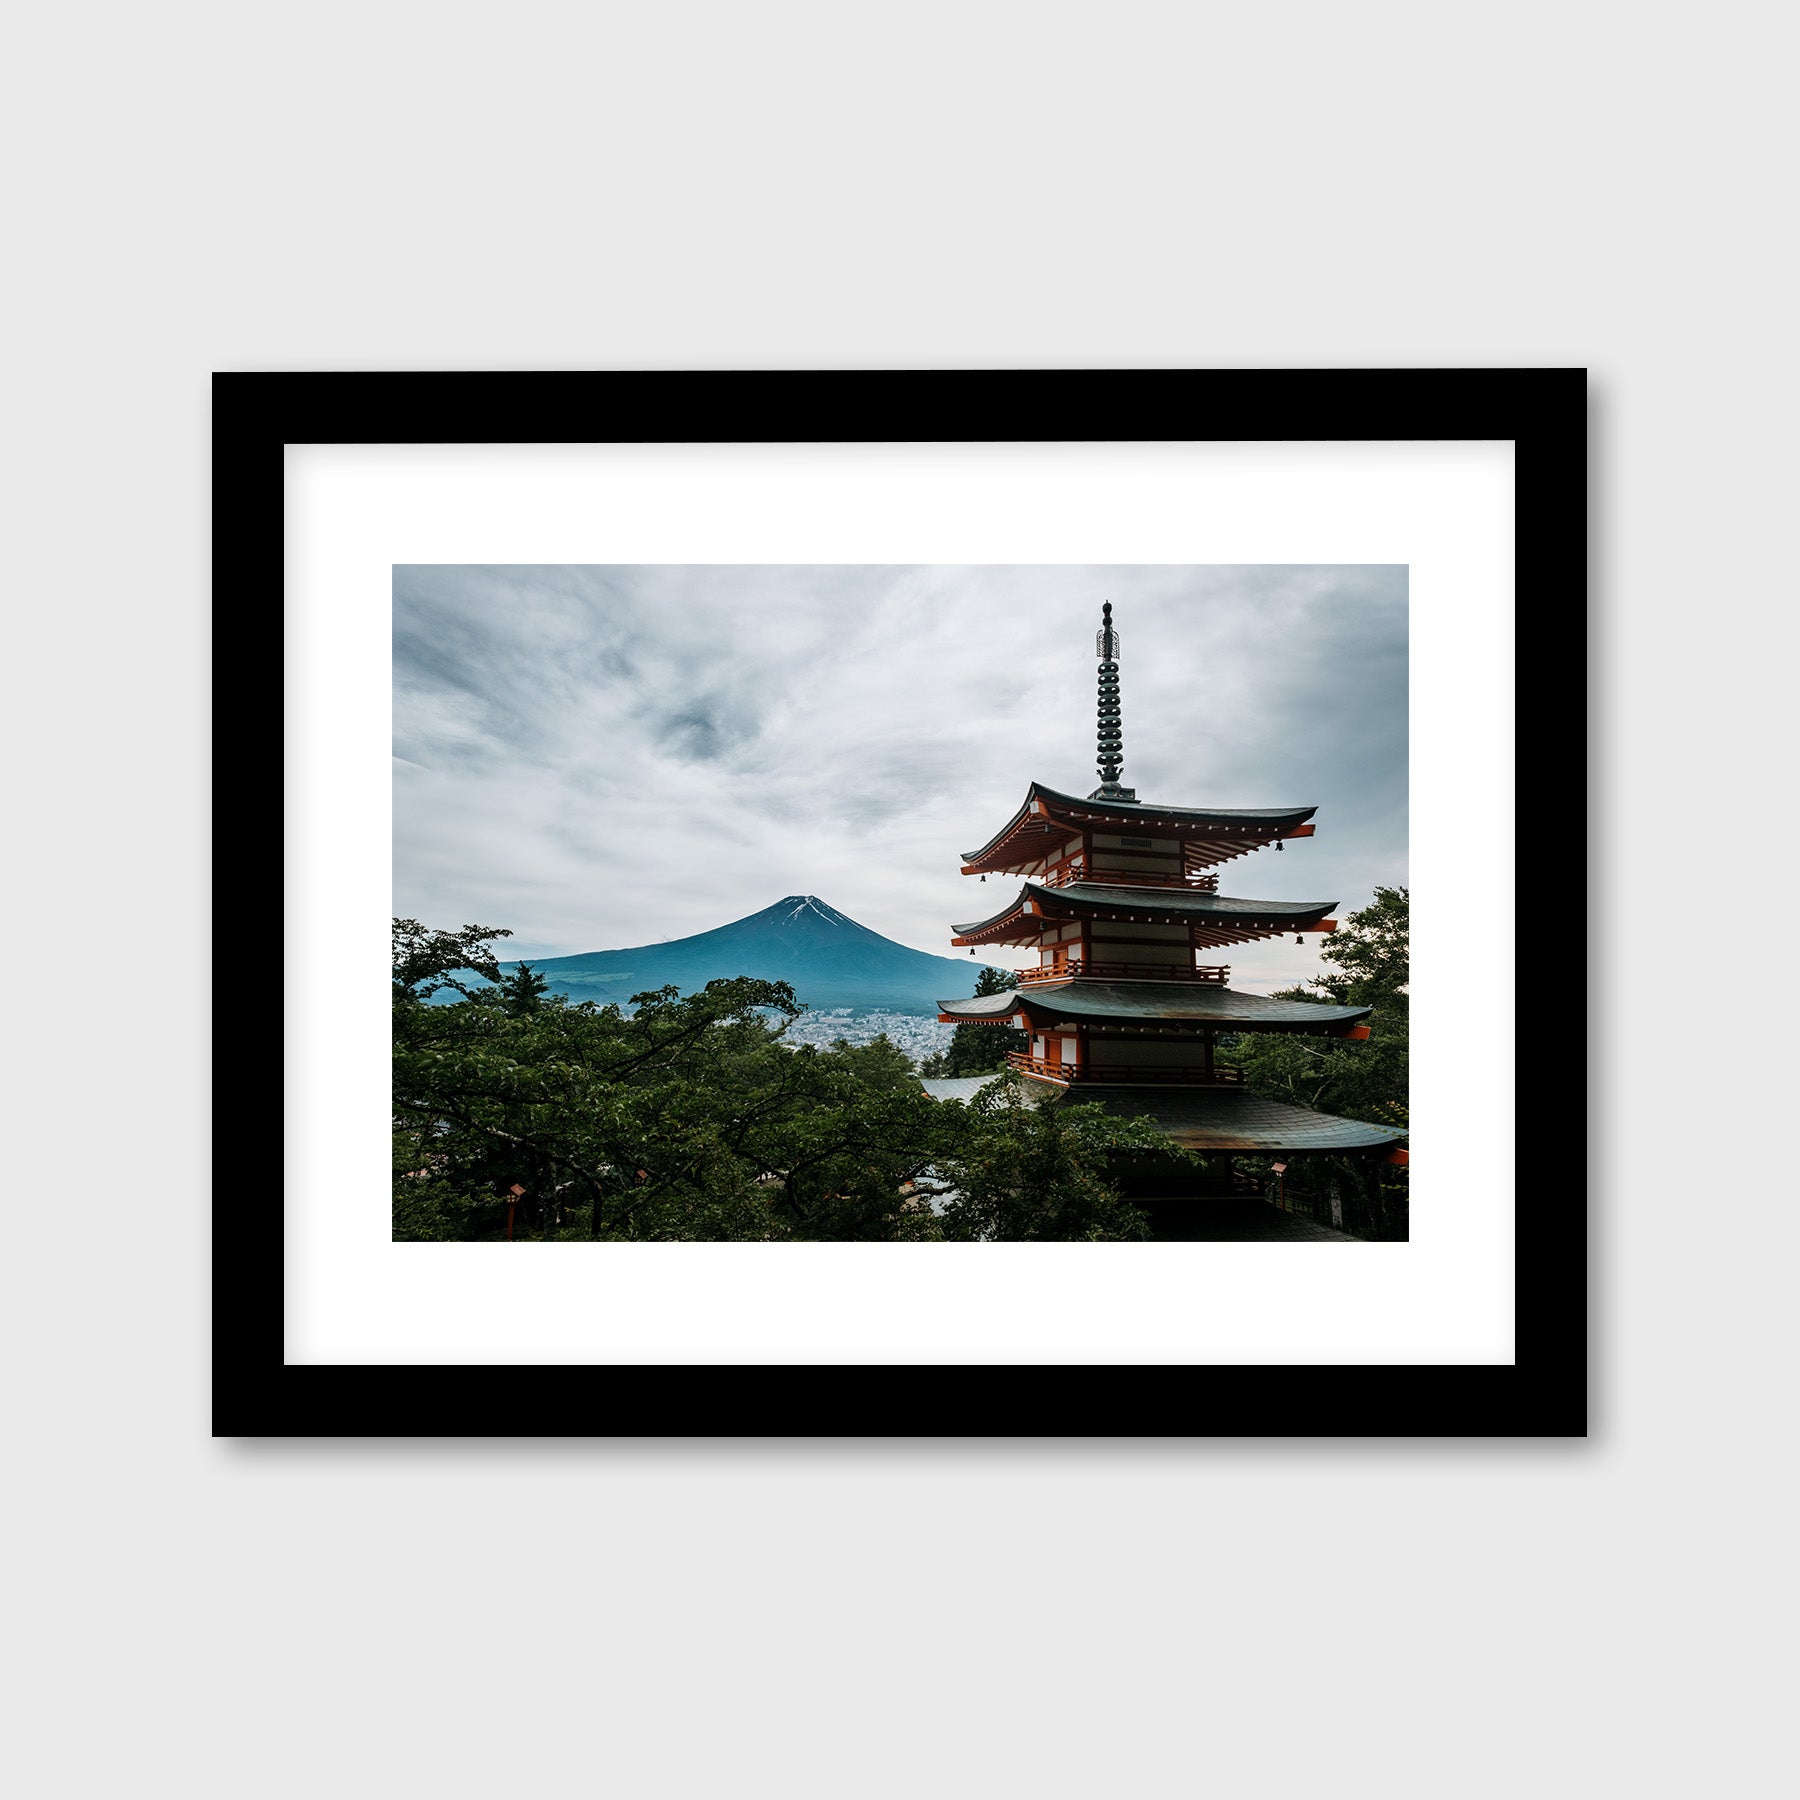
<point>201,186</point>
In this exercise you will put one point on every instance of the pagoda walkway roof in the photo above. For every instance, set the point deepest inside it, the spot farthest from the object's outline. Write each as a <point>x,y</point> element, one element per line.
<point>1189,1002</point>
<point>1222,1119</point>
<point>1092,899</point>
<point>955,1087</point>
<point>1217,1120</point>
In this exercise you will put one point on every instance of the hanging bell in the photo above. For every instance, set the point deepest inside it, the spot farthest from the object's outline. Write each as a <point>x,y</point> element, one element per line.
<point>1299,939</point>
<point>984,878</point>
<point>1279,846</point>
<point>971,949</point>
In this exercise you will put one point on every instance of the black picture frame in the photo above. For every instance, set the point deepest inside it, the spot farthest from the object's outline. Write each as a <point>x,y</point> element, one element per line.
<point>1543,1393</point>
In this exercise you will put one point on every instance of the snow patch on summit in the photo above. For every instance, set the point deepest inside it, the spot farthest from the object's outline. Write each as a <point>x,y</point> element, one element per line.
<point>801,903</point>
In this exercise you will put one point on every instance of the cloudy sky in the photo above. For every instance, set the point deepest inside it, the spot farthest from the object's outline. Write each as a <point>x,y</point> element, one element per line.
<point>601,757</point>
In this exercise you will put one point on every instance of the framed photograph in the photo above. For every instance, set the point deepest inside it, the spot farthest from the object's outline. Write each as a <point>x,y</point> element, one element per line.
<point>823,904</point>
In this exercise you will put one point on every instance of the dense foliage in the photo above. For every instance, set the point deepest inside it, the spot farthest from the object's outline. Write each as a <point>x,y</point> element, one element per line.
<point>690,1118</point>
<point>1369,955</point>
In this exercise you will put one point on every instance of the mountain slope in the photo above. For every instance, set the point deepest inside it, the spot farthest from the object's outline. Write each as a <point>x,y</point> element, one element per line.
<point>829,958</point>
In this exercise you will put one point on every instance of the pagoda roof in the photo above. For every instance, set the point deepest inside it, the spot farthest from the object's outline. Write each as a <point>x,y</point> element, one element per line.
<point>956,1087</point>
<point>1092,899</point>
<point>1197,1003</point>
<point>1222,1119</point>
<point>1204,1119</point>
<point>1242,825</point>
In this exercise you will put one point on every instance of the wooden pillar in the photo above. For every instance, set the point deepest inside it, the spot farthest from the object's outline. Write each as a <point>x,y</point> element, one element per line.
<point>1206,1038</point>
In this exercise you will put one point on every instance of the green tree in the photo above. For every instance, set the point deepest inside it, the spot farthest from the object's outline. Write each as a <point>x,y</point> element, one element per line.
<point>691,1117</point>
<point>426,961</point>
<point>1369,966</point>
<point>1371,951</point>
<point>687,1117</point>
<point>1028,1168</point>
<point>522,991</point>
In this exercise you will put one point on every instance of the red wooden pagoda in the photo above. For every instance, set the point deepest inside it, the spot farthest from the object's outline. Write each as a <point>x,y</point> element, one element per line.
<point>1119,899</point>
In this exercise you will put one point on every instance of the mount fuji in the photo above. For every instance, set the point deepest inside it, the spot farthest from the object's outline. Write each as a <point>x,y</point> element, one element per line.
<point>830,960</point>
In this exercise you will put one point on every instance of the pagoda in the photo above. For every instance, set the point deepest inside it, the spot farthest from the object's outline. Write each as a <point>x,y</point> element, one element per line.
<point>1120,899</point>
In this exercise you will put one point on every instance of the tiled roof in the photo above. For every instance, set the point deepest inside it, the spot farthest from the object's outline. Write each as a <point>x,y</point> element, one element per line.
<point>1229,1119</point>
<point>1225,815</point>
<point>957,1087</point>
<point>1190,1001</point>
<point>1091,897</point>
<point>1205,1119</point>
<point>1228,818</point>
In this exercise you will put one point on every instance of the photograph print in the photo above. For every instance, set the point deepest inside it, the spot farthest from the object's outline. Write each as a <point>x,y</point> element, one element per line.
<point>900,904</point>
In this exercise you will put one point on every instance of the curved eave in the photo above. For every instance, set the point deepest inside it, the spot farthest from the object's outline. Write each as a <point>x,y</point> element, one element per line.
<point>1153,1004</point>
<point>1275,817</point>
<point>980,1009</point>
<point>1217,918</point>
<point>1237,829</point>
<point>957,1087</point>
<point>1091,898</point>
<point>986,860</point>
<point>1225,1119</point>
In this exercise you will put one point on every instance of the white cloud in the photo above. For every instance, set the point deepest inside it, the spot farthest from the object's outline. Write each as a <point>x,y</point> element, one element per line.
<point>604,757</point>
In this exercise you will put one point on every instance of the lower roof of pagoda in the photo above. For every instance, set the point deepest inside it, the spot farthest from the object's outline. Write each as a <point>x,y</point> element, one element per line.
<point>1217,918</point>
<point>956,1087</point>
<point>1210,834</point>
<point>1085,1002</point>
<point>1222,1119</point>
<point>1203,1119</point>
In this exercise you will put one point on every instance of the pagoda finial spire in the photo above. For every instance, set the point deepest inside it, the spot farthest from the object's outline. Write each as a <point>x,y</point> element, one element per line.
<point>1111,736</point>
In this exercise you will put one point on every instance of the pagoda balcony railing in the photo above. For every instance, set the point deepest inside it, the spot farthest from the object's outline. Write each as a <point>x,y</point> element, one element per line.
<point>1069,873</point>
<point>1125,1074</point>
<point>1098,969</point>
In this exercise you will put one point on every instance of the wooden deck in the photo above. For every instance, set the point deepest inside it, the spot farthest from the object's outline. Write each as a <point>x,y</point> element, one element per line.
<point>1098,969</point>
